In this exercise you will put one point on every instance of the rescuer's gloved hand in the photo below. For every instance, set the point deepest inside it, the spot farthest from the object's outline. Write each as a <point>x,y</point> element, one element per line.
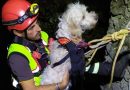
<point>83,44</point>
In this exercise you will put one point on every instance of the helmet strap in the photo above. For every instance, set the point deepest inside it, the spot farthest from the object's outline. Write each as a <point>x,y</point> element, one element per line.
<point>26,35</point>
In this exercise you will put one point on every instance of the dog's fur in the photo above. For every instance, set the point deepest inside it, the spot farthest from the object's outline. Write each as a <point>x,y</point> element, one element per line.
<point>74,21</point>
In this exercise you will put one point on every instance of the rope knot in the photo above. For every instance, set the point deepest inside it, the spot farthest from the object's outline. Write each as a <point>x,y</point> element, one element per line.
<point>119,35</point>
<point>114,36</point>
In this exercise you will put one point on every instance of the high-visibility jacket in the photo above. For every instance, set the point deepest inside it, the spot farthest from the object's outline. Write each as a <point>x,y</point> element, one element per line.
<point>34,66</point>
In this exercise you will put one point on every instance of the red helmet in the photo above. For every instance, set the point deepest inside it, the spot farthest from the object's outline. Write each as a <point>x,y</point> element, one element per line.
<point>19,14</point>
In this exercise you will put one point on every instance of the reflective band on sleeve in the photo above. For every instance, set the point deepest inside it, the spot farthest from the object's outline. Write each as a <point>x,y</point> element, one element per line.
<point>87,68</point>
<point>92,68</point>
<point>15,83</point>
<point>96,68</point>
<point>36,70</point>
<point>44,42</point>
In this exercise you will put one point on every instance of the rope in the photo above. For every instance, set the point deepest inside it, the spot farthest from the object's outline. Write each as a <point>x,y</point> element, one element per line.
<point>110,37</point>
<point>90,54</point>
<point>120,35</point>
<point>115,59</point>
<point>93,54</point>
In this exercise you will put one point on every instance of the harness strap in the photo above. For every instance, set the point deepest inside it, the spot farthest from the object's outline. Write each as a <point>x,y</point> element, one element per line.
<point>61,61</point>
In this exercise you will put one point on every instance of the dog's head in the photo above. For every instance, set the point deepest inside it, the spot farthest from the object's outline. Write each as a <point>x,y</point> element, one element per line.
<point>75,20</point>
<point>78,16</point>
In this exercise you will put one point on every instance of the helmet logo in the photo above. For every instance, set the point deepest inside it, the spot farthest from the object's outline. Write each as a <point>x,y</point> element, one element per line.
<point>34,8</point>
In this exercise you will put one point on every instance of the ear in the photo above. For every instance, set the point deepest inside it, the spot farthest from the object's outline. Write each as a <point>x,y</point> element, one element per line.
<point>18,33</point>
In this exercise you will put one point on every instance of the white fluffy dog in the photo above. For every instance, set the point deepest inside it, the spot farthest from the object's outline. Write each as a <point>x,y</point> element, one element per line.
<point>74,21</point>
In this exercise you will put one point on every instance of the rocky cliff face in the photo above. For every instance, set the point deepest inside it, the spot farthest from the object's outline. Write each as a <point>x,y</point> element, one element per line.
<point>120,17</point>
<point>120,14</point>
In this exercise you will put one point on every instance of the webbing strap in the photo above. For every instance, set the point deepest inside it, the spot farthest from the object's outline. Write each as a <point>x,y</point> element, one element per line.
<point>61,61</point>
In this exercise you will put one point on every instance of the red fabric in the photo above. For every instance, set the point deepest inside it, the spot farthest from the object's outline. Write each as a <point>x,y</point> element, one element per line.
<point>63,40</point>
<point>36,55</point>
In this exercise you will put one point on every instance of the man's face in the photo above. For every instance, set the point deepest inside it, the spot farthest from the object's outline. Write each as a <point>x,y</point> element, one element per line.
<point>33,32</point>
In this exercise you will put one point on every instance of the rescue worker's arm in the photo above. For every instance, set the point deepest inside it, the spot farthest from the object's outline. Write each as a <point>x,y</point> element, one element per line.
<point>29,84</point>
<point>104,68</point>
<point>20,67</point>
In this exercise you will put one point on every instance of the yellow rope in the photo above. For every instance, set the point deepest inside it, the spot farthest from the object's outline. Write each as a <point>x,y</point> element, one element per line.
<point>112,37</point>
<point>90,59</point>
<point>115,59</point>
<point>108,38</point>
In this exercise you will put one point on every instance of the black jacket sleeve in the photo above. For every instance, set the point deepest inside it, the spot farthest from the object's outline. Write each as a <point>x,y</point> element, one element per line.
<point>76,56</point>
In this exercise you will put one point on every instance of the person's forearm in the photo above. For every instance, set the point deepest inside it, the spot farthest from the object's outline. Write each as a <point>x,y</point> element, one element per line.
<point>104,68</point>
<point>47,87</point>
<point>58,86</point>
<point>29,85</point>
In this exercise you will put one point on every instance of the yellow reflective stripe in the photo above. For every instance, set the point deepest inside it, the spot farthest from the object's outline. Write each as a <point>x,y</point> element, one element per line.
<point>37,81</point>
<point>35,70</point>
<point>44,36</point>
<point>23,50</point>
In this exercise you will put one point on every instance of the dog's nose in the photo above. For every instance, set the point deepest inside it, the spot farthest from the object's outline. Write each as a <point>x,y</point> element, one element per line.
<point>83,27</point>
<point>96,17</point>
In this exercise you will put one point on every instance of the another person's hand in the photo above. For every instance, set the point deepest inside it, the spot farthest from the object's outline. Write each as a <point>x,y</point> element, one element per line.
<point>83,44</point>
